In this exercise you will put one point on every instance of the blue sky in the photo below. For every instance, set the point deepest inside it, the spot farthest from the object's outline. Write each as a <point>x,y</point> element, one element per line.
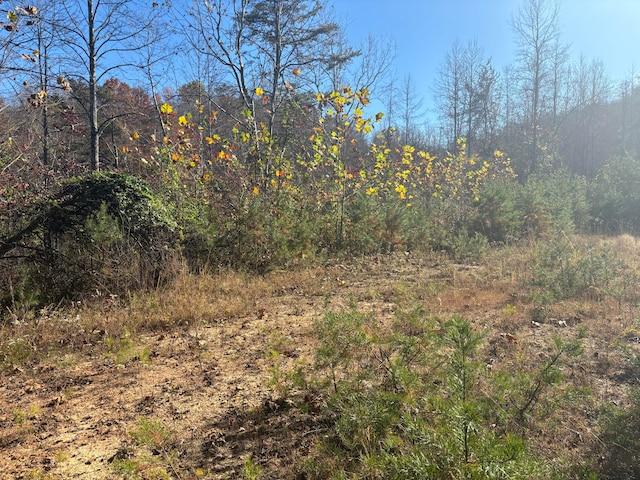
<point>424,30</point>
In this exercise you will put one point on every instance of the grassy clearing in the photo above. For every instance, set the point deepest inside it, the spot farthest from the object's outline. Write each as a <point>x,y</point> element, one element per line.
<point>395,366</point>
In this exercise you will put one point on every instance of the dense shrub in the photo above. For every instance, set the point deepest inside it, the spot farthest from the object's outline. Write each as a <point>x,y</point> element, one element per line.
<point>104,233</point>
<point>376,225</point>
<point>615,198</point>
<point>562,197</point>
<point>621,442</point>
<point>562,269</point>
<point>496,214</point>
<point>546,204</point>
<point>417,401</point>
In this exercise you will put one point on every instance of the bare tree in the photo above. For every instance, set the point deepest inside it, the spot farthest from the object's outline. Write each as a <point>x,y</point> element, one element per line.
<point>411,110</point>
<point>587,127</point>
<point>290,36</point>
<point>271,44</point>
<point>559,85</point>
<point>467,96</point>
<point>219,29</point>
<point>449,91</point>
<point>507,93</point>
<point>14,34</point>
<point>30,54</point>
<point>368,68</point>
<point>104,37</point>
<point>275,47</point>
<point>486,108</point>
<point>472,61</point>
<point>536,32</point>
<point>365,69</point>
<point>157,61</point>
<point>39,47</point>
<point>628,97</point>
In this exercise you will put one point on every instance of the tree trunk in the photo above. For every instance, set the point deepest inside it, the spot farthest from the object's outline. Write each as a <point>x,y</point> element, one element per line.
<point>93,97</point>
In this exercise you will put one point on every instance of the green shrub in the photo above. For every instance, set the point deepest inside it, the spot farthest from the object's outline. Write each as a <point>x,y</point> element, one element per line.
<point>546,204</point>
<point>152,434</point>
<point>615,198</point>
<point>378,225</point>
<point>465,248</point>
<point>415,400</point>
<point>621,442</point>
<point>560,198</point>
<point>562,269</point>
<point>496,213</point>
<point>105,232</point>
<point>343,338</point>
<point>260,236</point>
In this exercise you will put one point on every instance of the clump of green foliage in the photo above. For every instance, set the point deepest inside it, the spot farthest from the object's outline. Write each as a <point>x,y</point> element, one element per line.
<point>562,269</point>
<point>157,457</point>
<point>619,449</point>
<point>416,400</point>
<point>104,233</point>
<point>614,197</point>
<point>507,211</point>
<point>621,443</point>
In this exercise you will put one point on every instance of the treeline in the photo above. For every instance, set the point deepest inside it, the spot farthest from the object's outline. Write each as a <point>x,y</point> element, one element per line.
<point>270,156</point>
<point>74,96</point>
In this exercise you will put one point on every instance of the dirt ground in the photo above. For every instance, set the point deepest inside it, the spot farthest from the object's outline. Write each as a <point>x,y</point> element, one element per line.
<point>71,415</point>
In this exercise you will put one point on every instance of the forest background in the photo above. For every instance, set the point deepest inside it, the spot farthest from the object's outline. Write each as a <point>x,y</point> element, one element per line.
<point>270,152</point>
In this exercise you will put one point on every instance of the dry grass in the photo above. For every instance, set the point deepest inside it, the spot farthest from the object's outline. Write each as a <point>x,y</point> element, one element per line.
<point>200,354</point>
